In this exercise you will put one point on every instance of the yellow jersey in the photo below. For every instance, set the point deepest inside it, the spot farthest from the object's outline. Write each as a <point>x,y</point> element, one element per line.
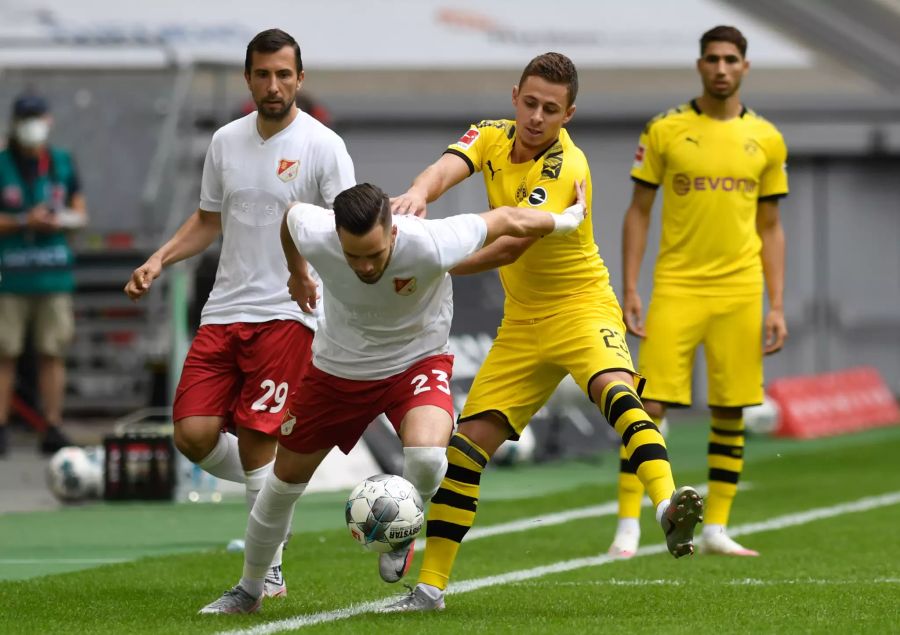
<point>713,173</point>
<point>556,272</point>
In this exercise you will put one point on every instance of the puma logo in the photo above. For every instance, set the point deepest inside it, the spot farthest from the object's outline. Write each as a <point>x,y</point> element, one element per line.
<point>493,171</point>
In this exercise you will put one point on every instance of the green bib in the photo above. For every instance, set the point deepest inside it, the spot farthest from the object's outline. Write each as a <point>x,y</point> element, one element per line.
<point>31,262</point>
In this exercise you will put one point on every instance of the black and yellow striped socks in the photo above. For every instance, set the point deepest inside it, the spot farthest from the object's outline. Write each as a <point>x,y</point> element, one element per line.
<point>644,447</point>
<point>725,455</point>
<point>452,510</point>
<point>631,490</point>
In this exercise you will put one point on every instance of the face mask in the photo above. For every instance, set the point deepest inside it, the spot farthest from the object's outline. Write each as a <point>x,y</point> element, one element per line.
<point>32,133</point>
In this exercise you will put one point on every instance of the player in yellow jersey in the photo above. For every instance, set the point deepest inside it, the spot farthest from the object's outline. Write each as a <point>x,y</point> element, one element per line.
<point>560,317</point>
<point>721,168</point>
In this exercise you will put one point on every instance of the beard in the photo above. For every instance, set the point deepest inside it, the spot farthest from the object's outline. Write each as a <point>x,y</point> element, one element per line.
<point>264,108</point>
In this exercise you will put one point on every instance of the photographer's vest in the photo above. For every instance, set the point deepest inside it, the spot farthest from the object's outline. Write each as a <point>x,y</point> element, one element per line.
<point>32,262</point>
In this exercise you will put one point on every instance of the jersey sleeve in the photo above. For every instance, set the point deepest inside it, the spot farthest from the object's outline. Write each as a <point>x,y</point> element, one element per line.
<point>470,147</point>
<point>550,185</point>
<point>456,238</point>
<point>211,184</point>
<point>774,180</point>
<point>336,172</point>
<point>648,165</point>
<point>308,225</point>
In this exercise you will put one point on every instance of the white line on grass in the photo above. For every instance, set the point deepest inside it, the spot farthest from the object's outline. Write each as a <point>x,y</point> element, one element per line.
<point>779,522</point>
<point>526,524</point>
<point>735,582</point>
<point>31,561</point>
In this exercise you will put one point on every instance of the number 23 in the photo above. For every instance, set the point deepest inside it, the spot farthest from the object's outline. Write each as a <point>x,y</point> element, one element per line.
<point>421,382</point>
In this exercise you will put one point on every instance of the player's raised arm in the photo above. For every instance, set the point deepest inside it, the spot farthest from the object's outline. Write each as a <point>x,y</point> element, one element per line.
<point>196,234</point>
<point>522,222</point>
<point>436,179</point>
<point>634,243</point>
<point>302,286</point>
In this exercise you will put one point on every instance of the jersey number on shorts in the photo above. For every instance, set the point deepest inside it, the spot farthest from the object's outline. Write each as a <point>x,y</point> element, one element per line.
<point>280,392</point>
<point>613,339</point>
<point>421,382</point>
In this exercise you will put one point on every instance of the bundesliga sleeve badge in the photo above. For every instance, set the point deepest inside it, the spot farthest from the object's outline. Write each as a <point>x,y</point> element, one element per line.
<point>468,138</point>
<point>288,169</point>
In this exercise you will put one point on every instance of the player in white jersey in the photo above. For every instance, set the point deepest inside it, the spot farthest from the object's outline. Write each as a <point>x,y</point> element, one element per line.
<point>253,343</point>
<point>381,347</point>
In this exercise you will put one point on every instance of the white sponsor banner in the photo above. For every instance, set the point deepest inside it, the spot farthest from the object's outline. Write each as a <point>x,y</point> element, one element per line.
<point>404,34</point>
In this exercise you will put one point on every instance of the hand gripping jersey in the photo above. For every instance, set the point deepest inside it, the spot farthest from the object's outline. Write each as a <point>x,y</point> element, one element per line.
<point>251,181</point>
<point>713,174</point>
<point>373,331</point>
<point>556,272</point>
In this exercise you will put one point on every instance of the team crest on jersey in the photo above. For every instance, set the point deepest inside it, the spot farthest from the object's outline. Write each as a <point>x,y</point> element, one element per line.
<point>751,146</point>
<point>287,426</point>
<point>521,192</point>
<point>288,169</point>
<point>405,286</point>
<point>537,197</point>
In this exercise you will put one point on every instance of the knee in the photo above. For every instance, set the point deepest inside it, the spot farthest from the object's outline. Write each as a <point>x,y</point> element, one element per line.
<point>425,468</point>
<point>194,442</point>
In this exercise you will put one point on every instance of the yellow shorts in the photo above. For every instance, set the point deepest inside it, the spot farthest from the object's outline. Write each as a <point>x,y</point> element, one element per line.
<point>730,329</point>
<point>529,358</point>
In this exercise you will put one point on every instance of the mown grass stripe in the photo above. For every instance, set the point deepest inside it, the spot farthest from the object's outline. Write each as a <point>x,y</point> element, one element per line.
<point>779,522</point>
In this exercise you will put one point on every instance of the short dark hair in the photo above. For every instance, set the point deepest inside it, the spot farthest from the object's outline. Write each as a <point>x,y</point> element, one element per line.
<point>556,68</point>
<point>357,209</point>
<point>724,34</point>
<point>271,41</point>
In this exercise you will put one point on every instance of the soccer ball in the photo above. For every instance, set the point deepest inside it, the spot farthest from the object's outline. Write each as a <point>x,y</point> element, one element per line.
<point>74,474</point>
<point>384,513</point>
<point>762,419</point>
<point>513,452</point>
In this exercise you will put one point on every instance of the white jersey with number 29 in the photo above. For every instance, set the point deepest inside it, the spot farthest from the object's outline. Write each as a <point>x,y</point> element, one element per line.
<point>251,181</point>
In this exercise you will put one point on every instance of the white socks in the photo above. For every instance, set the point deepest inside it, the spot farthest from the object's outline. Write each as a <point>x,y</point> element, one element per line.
<point>255,481</point>
<point>711,530</point>
<point>224,461</point>
<point>629,526</point>
<point>661,509</point>
<point>431,591</point>
<point>425,468</point>
<point>266,529</point>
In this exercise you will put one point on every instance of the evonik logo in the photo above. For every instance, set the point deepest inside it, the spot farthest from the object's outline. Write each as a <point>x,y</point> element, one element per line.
<point>682,184</point>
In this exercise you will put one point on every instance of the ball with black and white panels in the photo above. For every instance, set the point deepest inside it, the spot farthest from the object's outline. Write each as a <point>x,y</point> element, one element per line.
<point>384,513</point>
<point>75,474</point>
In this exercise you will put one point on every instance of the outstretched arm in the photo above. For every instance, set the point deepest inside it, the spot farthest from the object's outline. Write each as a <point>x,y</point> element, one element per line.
<point>511,230</point>
<point>196,234</point>
<point>436,179</point>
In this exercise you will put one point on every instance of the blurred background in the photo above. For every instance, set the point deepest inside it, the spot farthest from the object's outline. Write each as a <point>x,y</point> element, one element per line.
<point>137,90</point>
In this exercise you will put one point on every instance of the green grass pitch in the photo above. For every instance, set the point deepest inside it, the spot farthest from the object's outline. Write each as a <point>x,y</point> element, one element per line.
<point>836,574</point>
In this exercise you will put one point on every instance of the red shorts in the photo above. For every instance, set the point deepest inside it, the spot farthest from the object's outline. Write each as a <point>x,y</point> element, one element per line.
<point>244,371</point>
<point>333,411</point>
